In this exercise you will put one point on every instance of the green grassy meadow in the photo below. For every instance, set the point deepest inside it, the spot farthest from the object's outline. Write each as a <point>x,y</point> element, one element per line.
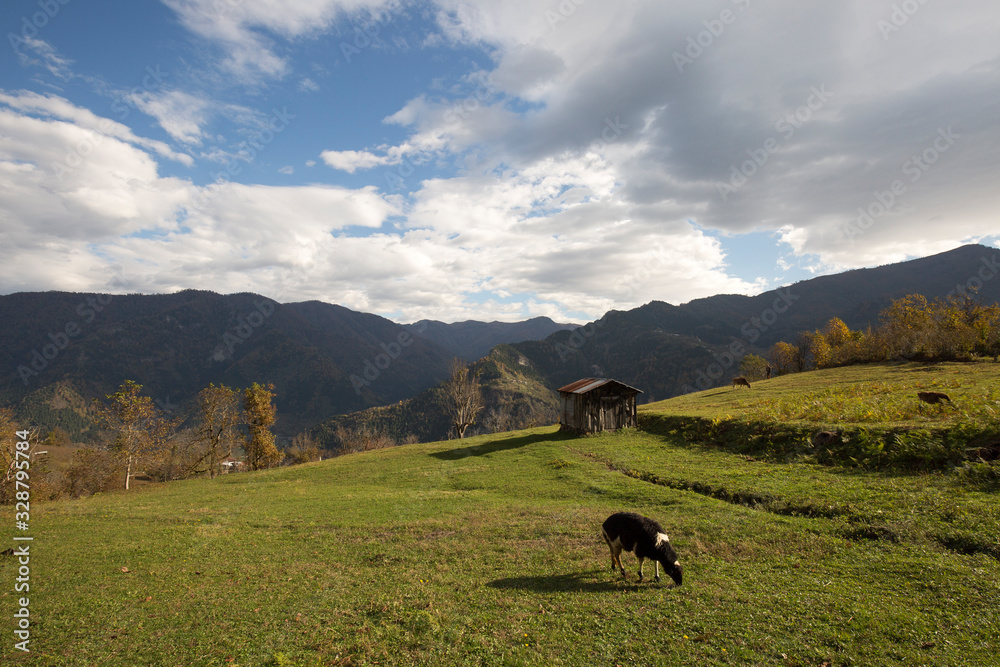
<point>883,395</point>
<point>487,551</point>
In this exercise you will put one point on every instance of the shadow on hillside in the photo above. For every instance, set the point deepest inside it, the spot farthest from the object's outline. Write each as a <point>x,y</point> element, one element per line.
<point>582,582</point>
<point>498,445</point>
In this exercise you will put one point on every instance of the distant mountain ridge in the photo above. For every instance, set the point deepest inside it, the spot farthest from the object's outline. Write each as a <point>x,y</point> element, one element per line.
<point>472,340</point>
<point>323,359</point>
<point>59,350</point>
<point>666,350</point>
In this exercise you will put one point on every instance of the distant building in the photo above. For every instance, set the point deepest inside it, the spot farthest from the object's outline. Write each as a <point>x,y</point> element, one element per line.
<point>229,464</point>
<point>598,404</point>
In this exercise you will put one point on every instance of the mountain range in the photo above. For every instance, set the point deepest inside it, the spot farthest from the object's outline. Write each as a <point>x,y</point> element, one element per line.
<point>472,340</point>
<point>667,350</point>
<point>59,350</point>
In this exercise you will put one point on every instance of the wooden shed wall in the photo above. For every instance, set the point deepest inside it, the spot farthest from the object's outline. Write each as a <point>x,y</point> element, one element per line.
<point>601,409</point>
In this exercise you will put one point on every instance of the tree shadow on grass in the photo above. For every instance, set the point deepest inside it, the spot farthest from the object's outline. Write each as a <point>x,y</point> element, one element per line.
<point>499,444</point>
<point>581,582</point>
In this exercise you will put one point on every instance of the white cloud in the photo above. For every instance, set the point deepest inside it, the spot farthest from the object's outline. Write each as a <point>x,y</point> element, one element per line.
<point>581,171</point>
<point>604,77</point>
<point>351,161</point>
<point>52,106</point>
<point>45,55</point>
<point>243,28</point>
<point>180,114</point>
<point>468,243</point>
<point>114,217</point>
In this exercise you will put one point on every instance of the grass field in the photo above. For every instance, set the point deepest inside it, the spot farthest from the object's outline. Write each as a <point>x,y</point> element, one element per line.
<point>885,395</point>
<point>488,552</point>
<point>873,412</point>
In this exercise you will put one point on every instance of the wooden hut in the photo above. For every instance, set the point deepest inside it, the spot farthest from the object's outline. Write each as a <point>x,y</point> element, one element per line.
<point>598,404</point>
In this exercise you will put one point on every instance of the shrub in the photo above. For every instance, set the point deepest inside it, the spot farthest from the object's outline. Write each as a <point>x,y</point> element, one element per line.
<point>92,471</point>
<point>980,474</point>
<point>753,367</point>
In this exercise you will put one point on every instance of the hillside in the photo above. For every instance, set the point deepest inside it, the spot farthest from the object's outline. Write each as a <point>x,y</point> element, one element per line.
<point>668,350</point>
<point>514,394</point>
<point>488,552</point>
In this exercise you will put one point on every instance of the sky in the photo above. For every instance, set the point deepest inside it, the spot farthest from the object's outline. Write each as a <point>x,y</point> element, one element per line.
<point>491,160</point>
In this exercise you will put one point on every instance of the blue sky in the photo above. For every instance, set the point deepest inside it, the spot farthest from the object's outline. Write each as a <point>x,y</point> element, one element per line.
<point>490,160</point>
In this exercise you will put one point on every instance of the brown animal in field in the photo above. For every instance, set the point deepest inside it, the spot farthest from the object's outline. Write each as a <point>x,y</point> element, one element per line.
<point>933,397</point>
<point>740,381</point>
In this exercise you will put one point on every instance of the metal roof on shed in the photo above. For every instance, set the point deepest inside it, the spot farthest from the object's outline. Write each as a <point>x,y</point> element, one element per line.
<point>589,384</point>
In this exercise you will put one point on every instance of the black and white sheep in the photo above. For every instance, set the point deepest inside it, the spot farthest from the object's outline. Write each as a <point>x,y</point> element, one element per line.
<point>644,537</point>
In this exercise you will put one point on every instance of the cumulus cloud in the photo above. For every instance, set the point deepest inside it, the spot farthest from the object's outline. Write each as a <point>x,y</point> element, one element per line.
<point>55,107</point>
<point>351,161</point>
<point>112,218</point>
<point>803,131</point>
<point>590,157</point>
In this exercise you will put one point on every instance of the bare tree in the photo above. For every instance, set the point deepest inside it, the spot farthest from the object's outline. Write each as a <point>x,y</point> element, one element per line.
<point>363,437</point>
<point>303,449</point>
<point>464,397</point>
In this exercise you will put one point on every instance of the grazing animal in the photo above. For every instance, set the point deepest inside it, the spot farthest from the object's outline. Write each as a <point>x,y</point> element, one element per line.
<point>823,438</point>
<point>740,381</point>
<point>645,538</point>
<point>933,397</point>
